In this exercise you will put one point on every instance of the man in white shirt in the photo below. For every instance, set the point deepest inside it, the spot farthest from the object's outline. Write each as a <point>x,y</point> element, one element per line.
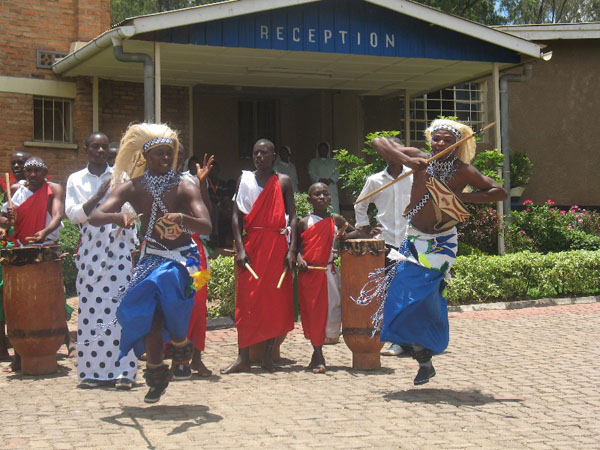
<point>390,204</point>
<point>283,164</point>
<point>104,265</point>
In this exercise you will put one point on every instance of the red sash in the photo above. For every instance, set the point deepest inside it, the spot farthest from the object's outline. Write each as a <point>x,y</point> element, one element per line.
<point>31,215</point>
<point>317,241</point>
<point>261,310</point>
<point>197,325</point>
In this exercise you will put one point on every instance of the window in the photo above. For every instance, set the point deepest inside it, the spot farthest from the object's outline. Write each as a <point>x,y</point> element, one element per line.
<point>256,119</point>
<point>52,119</point>
<point>465,101</point>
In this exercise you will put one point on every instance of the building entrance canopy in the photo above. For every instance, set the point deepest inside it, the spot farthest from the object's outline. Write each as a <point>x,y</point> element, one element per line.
<point>382,47</point>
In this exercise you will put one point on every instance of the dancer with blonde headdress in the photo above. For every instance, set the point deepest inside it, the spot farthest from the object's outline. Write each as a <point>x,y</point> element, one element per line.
<point>155,306</point>
<point>413,310</point>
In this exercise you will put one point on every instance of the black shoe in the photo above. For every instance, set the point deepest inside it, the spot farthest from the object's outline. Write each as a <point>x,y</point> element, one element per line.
<point>182,372</point>
<point>155,393</point>
<point>424,374</point>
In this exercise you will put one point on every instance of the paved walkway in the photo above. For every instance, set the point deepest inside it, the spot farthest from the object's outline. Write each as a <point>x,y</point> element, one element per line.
<point>510,379</point>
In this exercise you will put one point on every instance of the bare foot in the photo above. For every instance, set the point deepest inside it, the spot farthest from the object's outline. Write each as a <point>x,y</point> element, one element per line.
<point>199,366</point>
<point>269,366</point>
<point>238,366</point>
<point>319,368</point>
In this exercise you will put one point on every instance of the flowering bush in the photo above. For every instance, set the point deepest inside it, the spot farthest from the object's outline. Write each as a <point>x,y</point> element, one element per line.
<point>545,228</point>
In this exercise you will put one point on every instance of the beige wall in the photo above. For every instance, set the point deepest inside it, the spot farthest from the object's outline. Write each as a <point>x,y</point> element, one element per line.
<point>554,119</point>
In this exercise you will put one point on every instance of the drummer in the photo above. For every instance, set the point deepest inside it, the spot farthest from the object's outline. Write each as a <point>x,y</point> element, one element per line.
<point>36,214</point>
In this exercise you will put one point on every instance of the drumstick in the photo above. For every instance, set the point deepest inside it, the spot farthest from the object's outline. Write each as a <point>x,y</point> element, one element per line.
<point>433,158</point>
<point>281,278</point>
<point>121,228</point>
<point>316,268</point>
<point>342,231</point>
<point>247,266</point>
<point>10,203</point>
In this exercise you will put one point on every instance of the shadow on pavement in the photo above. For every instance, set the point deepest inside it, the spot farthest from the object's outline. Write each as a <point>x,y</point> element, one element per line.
<point>62,371</point>
<point>190,416</point>
<point>447,396</point>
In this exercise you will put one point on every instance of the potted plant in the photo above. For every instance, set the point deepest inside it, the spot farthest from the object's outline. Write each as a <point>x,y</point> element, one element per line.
<point>520,173</point>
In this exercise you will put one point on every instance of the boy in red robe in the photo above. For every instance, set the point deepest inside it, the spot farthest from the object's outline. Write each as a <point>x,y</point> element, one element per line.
<point>318,233</point>
<point>263,312</point>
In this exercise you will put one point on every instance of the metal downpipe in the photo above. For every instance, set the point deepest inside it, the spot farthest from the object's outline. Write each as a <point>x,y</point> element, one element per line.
<point>504,80</point>
<point>148,76</point>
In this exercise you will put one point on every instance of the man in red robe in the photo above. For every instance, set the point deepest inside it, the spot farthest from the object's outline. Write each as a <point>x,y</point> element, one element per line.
<point>263,311</point>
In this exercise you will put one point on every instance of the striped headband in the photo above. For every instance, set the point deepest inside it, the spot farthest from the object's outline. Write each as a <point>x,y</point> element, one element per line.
<point>35,163</point>
<point>157,142</point>
<point>449,128</point>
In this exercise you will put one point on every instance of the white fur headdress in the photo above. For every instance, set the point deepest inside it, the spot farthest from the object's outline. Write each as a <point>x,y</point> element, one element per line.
<point>466,150</point>
<point>137,140</point>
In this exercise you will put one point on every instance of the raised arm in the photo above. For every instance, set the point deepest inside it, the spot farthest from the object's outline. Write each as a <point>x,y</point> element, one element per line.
<point>392,151</point>
<point>80,212</point>
<point>110,210</point>
<point>488,189</point>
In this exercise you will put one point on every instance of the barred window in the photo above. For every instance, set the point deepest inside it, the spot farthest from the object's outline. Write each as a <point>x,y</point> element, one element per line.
<point>52,119</point>
<point>256,119</point>
<point>465,101</point>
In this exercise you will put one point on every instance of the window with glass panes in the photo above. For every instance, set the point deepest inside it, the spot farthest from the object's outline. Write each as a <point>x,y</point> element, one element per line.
<point>465,101</point>
<point>52,119</point>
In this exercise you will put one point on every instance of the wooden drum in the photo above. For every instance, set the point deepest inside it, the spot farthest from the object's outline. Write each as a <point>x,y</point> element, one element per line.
<point>359,258</point>
<point>34,305</point>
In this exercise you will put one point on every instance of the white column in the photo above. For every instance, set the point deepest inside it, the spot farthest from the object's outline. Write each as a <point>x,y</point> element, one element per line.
<point>191,119</point>
<point>157,89</point>
<point>498,144</point>
<point>95,108</point>
<point>406,118</point>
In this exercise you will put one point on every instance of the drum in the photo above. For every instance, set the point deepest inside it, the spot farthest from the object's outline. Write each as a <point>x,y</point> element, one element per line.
<point>360,257</point>
<point>34,304</point>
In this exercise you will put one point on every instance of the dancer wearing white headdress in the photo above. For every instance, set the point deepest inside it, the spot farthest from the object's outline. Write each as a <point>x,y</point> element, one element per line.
<point>155,306</point>
<point>103,266</point>
<point>414,308</point>
<point>323,169</point>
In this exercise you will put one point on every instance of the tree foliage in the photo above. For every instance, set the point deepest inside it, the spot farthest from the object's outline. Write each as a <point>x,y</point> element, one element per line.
<point>499,12</point>
<point>123,9</point>
<point>550,11</point>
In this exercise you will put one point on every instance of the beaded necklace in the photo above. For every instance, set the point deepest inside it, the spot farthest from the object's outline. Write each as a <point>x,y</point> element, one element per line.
<point>156,186</point>
<point>442,170</point>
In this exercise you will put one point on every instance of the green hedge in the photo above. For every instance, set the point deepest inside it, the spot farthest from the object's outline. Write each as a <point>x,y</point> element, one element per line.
<point>68,241</point>
<point>221,287</point>
<point>517,276</point>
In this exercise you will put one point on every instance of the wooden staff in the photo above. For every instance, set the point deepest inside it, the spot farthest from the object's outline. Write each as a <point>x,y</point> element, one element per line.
<point>247,266</point>
<point>281,278</point>
<point>433,158</point>
<point>8,193</point>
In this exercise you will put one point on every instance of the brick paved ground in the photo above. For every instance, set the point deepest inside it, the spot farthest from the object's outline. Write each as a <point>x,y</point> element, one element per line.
<point>510,379</point>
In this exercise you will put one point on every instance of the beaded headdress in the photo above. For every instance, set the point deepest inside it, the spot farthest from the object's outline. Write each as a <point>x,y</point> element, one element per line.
<point>466,150</point>
<point>33,162</point>
<point>139,139</point>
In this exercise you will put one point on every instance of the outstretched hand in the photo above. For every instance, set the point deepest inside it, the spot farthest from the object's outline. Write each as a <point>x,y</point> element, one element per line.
<point>203,170</point>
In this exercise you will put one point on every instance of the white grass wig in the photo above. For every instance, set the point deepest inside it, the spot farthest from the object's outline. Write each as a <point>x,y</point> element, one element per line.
<point>466,150</point>
<point>138,138</point>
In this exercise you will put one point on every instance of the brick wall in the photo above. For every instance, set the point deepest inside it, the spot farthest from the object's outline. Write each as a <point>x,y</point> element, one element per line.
<point>122,103</point>
<point>28,25</point>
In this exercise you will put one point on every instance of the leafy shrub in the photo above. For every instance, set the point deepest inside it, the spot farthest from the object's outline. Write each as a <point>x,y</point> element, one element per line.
<point>488,163</point>
<point>545,228</point>
<point>303,207</point>
<point>480,279</point>
<point>221,287</point>
<point>68,241</point>
<point>480,230</point>
<point>520,169</point>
